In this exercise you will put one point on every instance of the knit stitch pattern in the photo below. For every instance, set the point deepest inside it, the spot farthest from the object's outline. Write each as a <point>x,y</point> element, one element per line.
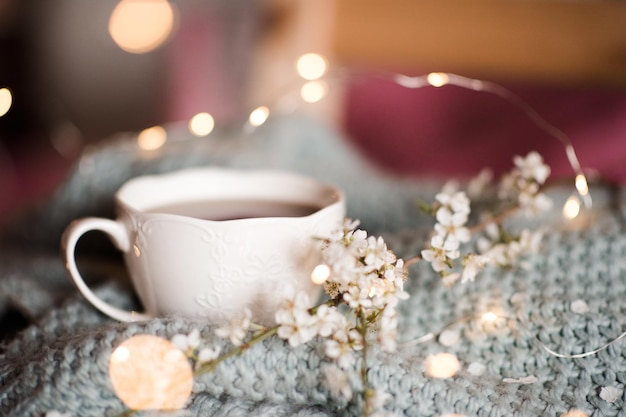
<point>60,362</point>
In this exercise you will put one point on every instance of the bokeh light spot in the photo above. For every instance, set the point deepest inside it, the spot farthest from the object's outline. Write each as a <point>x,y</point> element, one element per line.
<point>139,26</point>
<point>313,91</point>
<point>441,365</point>
<point>201,124</point>
<point>259,116</point>
<point>311,66</point>
<point>6,100</point>
<point>320,274</point>
<point>150,373</point>
<point>581,184</point>
<point>438,79</point>
<point>571,208</point>
<point>152,138</point>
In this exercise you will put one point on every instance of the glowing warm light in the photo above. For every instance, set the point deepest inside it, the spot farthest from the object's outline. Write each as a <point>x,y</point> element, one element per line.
<point>139,26</point>
<point>438,79</point>
<point>489,316</point>
<point>121,354</point>
<point>409,82</point>
<point>149,373</point>
<point>6,99</point>
<point>441,365</point>
<point>152,138</point>
<point>575,413</point>
<point>320,274</point>
<point>201,124</point>
<point>581,184</point>
<point>571,208</point>
<point>311,66</point>
<point>259,116</point>
<point>313,91</point>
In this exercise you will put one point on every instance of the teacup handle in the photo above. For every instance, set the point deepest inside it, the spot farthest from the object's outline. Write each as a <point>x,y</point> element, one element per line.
<point>118,235</point>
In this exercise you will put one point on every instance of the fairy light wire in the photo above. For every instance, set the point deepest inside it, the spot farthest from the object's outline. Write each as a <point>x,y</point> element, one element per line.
<point>328,74</point>
<point>481,317</point>
<point>440,79</point>
<point>433,79</point>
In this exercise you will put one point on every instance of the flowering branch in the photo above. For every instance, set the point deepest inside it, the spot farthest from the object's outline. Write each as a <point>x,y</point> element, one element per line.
<point>518,190</point>
<point>360,275</point>
<point>364,281</point>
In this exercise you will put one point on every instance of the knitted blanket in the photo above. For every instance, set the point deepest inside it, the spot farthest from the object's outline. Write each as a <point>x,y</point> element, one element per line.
<point>569,298</point>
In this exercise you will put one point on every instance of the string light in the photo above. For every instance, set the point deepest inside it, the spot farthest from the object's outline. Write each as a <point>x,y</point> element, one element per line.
<point>152,138</point>
<point>149,373</point>
<point>441,365</point>
<point>259,116</point>
<point>311,66</point>
<point>313,91</point>
<point>410,82</point>
<point>571,208</point>
<point>437,79</point>
<point>489,317</point>
<point>138,26</point>
<point>6,100</point>
<point>575,413</point>
<point>120,355</point>
<point>471,317</point>
<point>201,124</point>
<point>320,274</point>
<point>581,184</point>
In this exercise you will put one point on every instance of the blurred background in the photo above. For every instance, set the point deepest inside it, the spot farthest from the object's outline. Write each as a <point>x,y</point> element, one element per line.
<point>73,74</point>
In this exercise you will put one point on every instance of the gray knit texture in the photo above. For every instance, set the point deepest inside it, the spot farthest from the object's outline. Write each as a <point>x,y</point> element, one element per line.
<point>60,361</point>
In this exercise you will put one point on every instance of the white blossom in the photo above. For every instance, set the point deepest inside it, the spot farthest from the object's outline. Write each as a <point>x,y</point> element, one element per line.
<point>532,167</point>
<point>530,241</point>
<point>358,295</point>
<point>457,201</point>
<point>376,399</point>
<point>187,342</point>
<point>237,329</point>
<point>448,280</point>
<point>208,354</point>
<point>369,279</point>
<point>342,346</point>
<point>338,382</point>
<point>297,325</point>
<point>534,203</point>
<point>507,254</point>
<point>388,329</point>
<point>441,251</point>
<point>376,253</point>
<point>328,320</point>
<point>452,224</point>
<point>473,265</point>
<point>523,184</point>
<point>499,253</point>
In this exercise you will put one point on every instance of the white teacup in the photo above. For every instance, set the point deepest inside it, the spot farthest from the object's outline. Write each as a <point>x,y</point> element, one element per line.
<point>209,242</point>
